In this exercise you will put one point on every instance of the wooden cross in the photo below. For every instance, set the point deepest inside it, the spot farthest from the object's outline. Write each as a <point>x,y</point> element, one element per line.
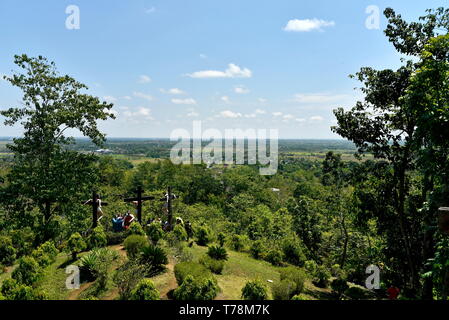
<point>139,199</point>
<point>94,203</point>
<point>168,198</point>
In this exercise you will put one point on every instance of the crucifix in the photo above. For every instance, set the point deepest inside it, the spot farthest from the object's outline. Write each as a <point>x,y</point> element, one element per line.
<point>138,201</point>
<point>96,204</point>
<point>168,199</point>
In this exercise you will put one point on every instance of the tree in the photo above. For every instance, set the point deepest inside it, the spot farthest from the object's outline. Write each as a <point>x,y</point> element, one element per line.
<point>45,174</point>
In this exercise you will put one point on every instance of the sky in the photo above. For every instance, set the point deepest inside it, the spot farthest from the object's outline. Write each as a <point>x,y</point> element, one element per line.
<point>232,64</point>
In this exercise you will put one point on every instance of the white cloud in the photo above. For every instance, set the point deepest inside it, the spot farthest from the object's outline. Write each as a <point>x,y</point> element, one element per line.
<point>150,10</point>
<point>319,98</point>
<point>260,111</point>
<point>288,117</point>
<point>300,120</point>
<point>316,119</point>
<point>110,99</point>
<point>255,113</point>
<point>230,114</point>
<point>144,79</point>
<point>241,90</point>
<point>233,71</point>
<point>142,112</point>
<point>127,98</point>
<point>307,25</point>
<point>225,99</point>
<point>174,91</point>
<point>184,101</point>
<point>192,113</point>
<point>277,114</point>
<point>143,96</point>
<point>262,100</point>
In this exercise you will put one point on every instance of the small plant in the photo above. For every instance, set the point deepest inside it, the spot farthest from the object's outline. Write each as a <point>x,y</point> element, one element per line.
<point>293,253</point>
<point>45,254</point>
<point>257,249</point>
<point>134,244</point>
<point>356,293</point>
<point>295,275</point>
<point>194,269</point>
<point>217,253</point>
<point>221,239</point>
<point>7,251</point>
<point>27,272</point>
<point>13,290</point>
<point>127,277</point>
<point>95,265</point>
<point>145,290</point>
<point>203,236</point>
<point>321,277</point>
<point>237,243</point>
<point>284,290</point>
<point>154,259</point>
<point>254,290</point>
<point>155,232</point>
<point>193,289</point>
<point>216,266</point>
<point>76,244</point>
<point>180,233</point>
<point>136,228</point>
<point>274,257</point>
<point>311,266</point>
<point>97,238</point>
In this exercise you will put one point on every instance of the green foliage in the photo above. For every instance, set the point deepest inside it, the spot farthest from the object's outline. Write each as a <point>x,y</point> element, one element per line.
<point>96,265</point>
<point>293,253</point>
<point>154,259</point>
<point>76,244</point>
<point>299,297</point>
<point>274,256</point>
<point>356,293</point>
<point>189,268</point>
<point>134,244</point>
<point>339,286</point>
<point>296,275</point>
<point>203,236</point>
<point>257,249</point>
<point>180,233</point>
<point>7,251</point>
<point>27,272</point>
<point>216,266</point>
<point>45,254</point>
<point>145,290</point>
<point>22,240</point>
<point>254,290</point>
<point>98,238</point>
<point>136,228</point>
<point>321,277</point>
<point>283,290</point>
<point>237,243</point>
<point>194,289</point>
<point>154,232</point>
<point>221,238</point>
<point>217,253</point>
<point>311,266</point>
<point>13,290</point>
<point>126,278</point>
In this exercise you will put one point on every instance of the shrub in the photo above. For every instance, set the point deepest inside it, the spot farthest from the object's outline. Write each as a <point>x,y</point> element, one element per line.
<point>257,249</point>
<point>339,286</point>
<point>134,244</point>
<point>114,238</point>
<point>295,275</point>
<point>155,232</point>
<point>283,290</point>
<point>145,290</point>
<point>356,293</point>
<point>254,290</point>
<point>299,297</point>
<point>76,244</point>
<point>127,277</point>
<point>217,253</point>
<point>216,266</point>
<point>237,243</point>
<point>95,265</point>
<point>136,228</point>
<point>274,257</point>
<point>7,251</point>
<point>180,233</point>
<point>154,259</point>
<point>221,239</point>
<point>293,254</point>
<point>311,266</point>
<point>97,238</point>
<point>203,236</point>
<point>196,289</point>
<point>45,254</point>
<point>22,240</point>
<point>194,269</point>
<point>27,272</point>
<point>13,290</point>
<point>321,277</point>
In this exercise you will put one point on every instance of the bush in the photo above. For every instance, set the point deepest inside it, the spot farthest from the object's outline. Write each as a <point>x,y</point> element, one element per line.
<point>339,286</point>
<point>133,245</point>
<point>254,290</point>
<point>221,239</point>
<point>155,232</point>
<point>7,251</point>
<point>237,243</point>
<point>115,238</point>
<point>194,269</point>
<point>97,238</point>
<point>203,236</point>
<point>274,257</point>
<point>127,277</point>
<point>145,290</point>
<point>283,290</point>
<point>257,249</point>
<point>193,289</point>
<point>311,266</point>
<point>45,254</point>
<point>22,240</point>
<point>299,297</point>
<point>321,277</point>
<point>216,266</point>
<point>295,275</point>
<point>28,271</point>
<point>95,265</point>
<point>154,259</point>
<point>356,293</point>
<point>293,254</point>
<point>136,228</point>
<point>13,290</point>
<point>217,253</point>
<point>180,233</point>
<point>76,244</point>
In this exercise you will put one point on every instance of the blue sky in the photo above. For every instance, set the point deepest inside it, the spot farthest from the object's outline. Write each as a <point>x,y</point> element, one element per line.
<point>232,64</point>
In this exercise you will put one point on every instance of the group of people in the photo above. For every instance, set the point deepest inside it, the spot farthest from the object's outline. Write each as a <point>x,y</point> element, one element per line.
<point>122,222</point>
